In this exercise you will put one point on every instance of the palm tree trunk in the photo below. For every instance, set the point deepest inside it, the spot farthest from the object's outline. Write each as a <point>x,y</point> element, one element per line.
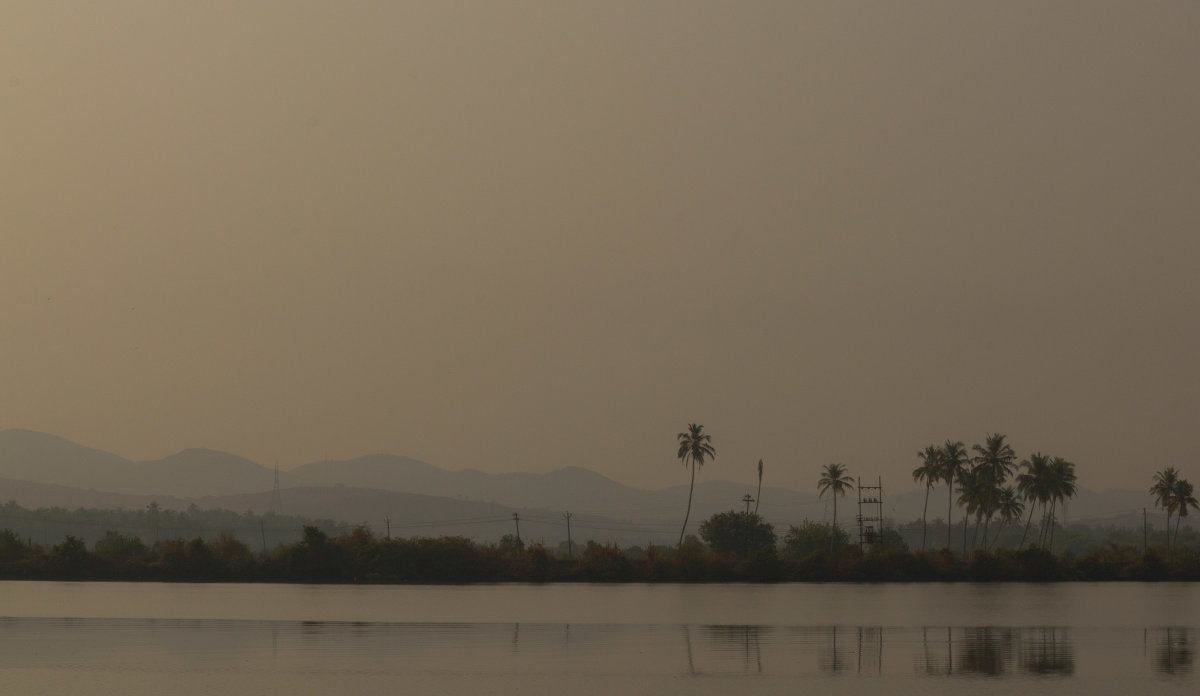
<point>1024,534</point>
<point>689,507</point>
<point>1050,545</point>
<point>964,536</point>
<point>1178,521</point>
<point>949,510</point>
<point>924,518</point>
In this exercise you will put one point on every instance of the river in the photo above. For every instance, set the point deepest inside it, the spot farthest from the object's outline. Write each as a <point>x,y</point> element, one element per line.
<point>962,638</point>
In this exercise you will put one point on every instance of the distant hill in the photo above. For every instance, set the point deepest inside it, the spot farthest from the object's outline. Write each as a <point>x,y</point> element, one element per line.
<point>570,488</point>
<point>40,458</point>
<point>374,487</point>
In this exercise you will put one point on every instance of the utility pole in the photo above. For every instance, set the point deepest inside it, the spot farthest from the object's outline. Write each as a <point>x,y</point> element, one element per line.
<point>747,499</point>
<point>388,522</point>
<point>569,544</point>
<point>517,520</point>
<point>262,529</point>
<point>1145,534</point>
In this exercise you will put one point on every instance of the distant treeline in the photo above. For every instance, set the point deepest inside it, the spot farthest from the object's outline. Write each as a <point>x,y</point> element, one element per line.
<point>360,557</point>
<point>46,526</point>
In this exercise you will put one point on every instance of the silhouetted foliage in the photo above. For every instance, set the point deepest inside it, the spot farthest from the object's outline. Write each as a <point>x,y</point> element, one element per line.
<point>736,533</point>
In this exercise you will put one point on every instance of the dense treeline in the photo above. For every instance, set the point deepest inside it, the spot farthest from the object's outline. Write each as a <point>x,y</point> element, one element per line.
<point>359,557</point>
<point>153,523</point>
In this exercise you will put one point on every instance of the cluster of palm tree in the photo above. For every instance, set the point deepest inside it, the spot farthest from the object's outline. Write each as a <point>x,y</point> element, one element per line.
<point>1175,495</point>
<point>985,489</point>
<point>1046,481</point>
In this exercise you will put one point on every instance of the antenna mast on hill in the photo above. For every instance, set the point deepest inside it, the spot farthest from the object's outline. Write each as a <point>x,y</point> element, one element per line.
<point>276,498</point>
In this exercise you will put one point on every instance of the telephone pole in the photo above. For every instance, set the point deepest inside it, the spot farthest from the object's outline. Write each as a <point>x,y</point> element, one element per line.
<point>569,544</point>
<point>517,520</point>
<point>388,522</point>
<point>747,499</point>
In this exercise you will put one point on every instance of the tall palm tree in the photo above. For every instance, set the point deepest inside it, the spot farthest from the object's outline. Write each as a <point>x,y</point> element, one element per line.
<point>1009,507</point>
<point>1062,488</point>
<point>1033,483</point>
<point>694,447</point>
<point>954,460</point>
<point>1182,498</point>
<point>834,479</point>
<point>996,457</point>
<point>929,473</point>
<point>971,497</point>
<point>995,461</point>
<point>1163,491</point>
<point>758,495</point>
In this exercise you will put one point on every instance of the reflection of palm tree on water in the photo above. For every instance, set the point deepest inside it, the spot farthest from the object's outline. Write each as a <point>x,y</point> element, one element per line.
<point>1175,651</point>
<point>1047,652</point>
<point>832,661</point>
<point>746,639</point>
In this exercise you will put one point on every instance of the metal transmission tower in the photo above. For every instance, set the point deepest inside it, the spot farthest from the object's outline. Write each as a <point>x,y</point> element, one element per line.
<point>870,514</point>
<point>276,498</point>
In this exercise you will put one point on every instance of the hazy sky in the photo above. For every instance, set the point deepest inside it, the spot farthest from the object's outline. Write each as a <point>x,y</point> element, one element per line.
<point>524,235</point>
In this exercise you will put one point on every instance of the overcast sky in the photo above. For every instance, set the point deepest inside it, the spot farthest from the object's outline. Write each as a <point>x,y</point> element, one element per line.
<point>524,235</point>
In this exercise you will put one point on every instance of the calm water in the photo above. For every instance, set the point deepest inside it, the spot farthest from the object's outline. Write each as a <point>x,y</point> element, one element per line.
<point>117,638</point>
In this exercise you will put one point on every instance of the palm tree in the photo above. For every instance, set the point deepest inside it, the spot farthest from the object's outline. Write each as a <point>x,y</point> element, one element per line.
<point>834,478</point>
<point>995,461</point>
<point>929,473</point>
<point>1163,491</point>
<point>954,464</point>
<point>971,497</point>
<point>1034,485</point>
<point>1009,507</point>
<point>996,457</point>
<point>1062,488</point>
<point>758,496</point>
<point>1182,498</point>
<point>694,448</point>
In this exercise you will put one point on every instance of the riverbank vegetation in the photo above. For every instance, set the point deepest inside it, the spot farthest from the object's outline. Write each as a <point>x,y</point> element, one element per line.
<point>810,553</point>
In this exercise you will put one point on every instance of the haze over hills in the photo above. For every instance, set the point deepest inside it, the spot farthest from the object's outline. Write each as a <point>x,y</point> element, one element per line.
<point>41,458</point>
<point>43,470</point>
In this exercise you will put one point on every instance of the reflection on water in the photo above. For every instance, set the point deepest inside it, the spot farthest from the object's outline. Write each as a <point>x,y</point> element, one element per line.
<point>909,660</point>
<point>996,651</point>
<point>1174,650</point>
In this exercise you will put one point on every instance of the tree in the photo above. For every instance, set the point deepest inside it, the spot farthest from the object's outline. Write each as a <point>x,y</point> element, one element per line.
<point>812,537</point>
<point>736,532</point>
<point>994,462</point>
<point>996,457</point>
<point>834,479</point>
<point>929,473</point>
<point>1062,488</point>
<point>1163,491</point>
<point>758,495</point>
<point>694,447</point>
<point>1182,498</point>
<point>971,496</point>
<point>954,464</point>
<point>1009,507</point>
<point>1034,485</point>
